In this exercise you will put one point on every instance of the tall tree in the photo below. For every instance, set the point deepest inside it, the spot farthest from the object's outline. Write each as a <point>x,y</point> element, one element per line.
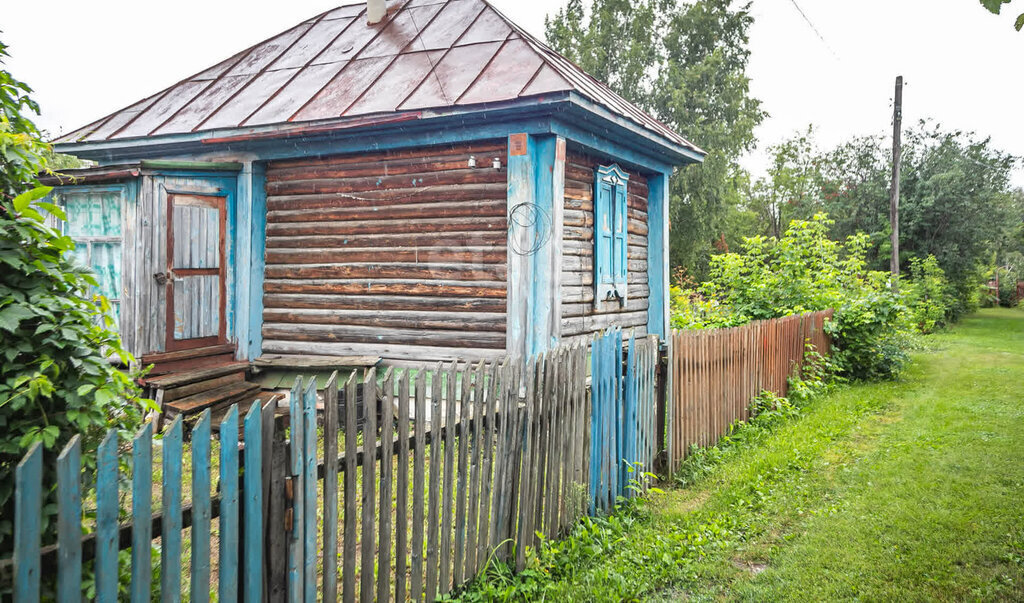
<point>685,63</point>
<point>956,200</point>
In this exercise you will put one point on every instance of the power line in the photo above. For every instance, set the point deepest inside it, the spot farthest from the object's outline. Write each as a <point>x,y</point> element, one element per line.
<point>815,29</point>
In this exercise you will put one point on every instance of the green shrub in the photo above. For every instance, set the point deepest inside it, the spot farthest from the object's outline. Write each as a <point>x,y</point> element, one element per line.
<point>55,379</point>
<point>806,271</point>
<point>927,294</point>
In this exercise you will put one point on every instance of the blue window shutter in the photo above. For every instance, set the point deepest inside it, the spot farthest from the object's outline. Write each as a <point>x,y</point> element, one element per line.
<point>621,238</point>
<point>610,234</point>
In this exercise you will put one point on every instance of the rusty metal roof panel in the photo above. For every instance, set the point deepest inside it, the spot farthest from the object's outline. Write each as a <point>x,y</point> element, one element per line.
<point>294,94</point>
<point>488,27</point>
<point>425,54</point>
<point>250,99</point>
<point>505,76</point>
<point>344,89</point>
<point>449,25</point>
<point>200,107</point>
<point>452,75</point>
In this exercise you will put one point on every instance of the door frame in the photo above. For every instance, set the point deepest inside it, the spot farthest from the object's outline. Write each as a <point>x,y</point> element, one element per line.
<point>172,344</point>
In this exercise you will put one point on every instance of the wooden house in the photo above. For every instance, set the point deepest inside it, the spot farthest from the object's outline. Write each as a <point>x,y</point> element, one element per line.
<point>418,189</point>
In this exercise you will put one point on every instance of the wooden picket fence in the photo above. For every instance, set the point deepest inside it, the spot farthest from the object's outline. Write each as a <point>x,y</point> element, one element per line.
<point>401,488</point>
<point>451,468</point>
<point>716,373</point>
<point>237,508</point>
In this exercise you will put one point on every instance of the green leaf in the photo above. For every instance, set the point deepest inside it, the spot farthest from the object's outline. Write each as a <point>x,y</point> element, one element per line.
<point>11,317</point>
<point>1020,22</point>
<point>22,201</point>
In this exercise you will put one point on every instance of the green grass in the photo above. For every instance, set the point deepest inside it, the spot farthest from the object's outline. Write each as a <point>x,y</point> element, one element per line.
<point>908,490</point>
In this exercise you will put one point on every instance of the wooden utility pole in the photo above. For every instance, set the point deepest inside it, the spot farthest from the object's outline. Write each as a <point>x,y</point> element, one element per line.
<point>894,200</point>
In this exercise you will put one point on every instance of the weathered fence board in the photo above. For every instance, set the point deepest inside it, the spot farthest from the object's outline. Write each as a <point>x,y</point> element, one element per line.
<point>717,373</point>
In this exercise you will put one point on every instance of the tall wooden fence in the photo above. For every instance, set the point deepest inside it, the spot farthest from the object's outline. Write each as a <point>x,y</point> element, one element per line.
<point>407,499</point>
<point>716,373</point>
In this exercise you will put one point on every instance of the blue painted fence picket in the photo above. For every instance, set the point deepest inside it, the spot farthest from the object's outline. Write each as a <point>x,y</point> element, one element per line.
<point>524,448</point>
<point>108,537</point>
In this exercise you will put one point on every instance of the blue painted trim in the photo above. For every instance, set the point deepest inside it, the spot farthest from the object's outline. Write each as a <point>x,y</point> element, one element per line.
<point>657,254</point>
<point>430,128</point>
<point>588,110</point>
<point>600,144</point>
<point>521,183</point>
<point>542,328</point>
<point>243,252</point>
<point>258,237</point>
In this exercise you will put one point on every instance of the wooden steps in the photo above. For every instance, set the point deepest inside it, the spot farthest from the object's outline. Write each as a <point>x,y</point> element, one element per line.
<point>179,379</point>
<point>225,395</point>
<point>185,360</point>
<point>187,382</point>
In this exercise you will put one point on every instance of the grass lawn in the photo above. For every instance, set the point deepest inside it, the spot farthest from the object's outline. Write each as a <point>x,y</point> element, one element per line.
<point>910,490</point>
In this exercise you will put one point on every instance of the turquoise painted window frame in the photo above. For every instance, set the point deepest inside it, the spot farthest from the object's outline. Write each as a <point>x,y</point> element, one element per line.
<point>90,241</point>
<point>611,236</point>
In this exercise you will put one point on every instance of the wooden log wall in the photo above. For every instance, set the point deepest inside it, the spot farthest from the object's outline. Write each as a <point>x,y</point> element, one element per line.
<point>716,373</point>
<point>401,254</point>
<point>579,316</point>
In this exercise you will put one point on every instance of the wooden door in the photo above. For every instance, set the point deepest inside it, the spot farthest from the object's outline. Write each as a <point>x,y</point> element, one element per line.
<point>196,233</point>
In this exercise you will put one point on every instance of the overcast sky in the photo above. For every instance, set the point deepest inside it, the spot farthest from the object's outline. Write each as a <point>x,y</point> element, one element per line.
<point>962,64</point>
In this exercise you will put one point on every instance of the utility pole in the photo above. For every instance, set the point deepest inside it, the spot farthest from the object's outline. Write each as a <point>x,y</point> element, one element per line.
<point>894,200</point>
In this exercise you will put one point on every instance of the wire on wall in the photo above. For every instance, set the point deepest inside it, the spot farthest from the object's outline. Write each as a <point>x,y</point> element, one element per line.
<point>528,217</point>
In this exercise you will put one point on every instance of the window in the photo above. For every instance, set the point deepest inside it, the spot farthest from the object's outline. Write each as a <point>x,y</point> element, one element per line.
<point>610,236</point>
<point>94,223</point>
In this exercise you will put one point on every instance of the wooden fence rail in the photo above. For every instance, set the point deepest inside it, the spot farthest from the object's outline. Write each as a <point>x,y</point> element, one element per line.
<point>716,373</point>
<point>447,468</point>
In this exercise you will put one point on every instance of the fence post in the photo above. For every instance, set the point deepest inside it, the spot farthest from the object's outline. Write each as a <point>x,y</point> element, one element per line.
<point>275,527</point>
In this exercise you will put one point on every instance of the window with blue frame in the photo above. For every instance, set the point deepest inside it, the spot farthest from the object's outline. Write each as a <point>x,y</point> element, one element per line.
<point>610,235</point>
<point>94,224</point>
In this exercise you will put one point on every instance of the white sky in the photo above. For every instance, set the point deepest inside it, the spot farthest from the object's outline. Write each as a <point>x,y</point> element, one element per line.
<point>962,64</point>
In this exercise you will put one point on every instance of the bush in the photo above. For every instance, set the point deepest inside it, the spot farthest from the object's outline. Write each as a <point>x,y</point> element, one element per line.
<point>55,379</point>
<point>806,271</point>
<point>927,295</point>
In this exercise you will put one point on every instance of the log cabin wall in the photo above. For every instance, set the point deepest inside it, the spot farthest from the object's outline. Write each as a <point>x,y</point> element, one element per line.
<point>400,254</point>
<point>579,316</point>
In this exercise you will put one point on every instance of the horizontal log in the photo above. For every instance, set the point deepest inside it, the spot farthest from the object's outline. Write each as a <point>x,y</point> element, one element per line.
<point>467,273</point>
<point>574,217</point>
<point>359,334</point>
<point>599,322</point>
<point>398,227</point>
<point>492,208</point>
<point>461,257</point>
<point>384,303</point>
<point>419,239</point>
<point>495,290</point>
<point>365,168</point>
<point>580,191</point>
<point>393,196</point>
<point>636,304</point>
<point>494,146</point>
<point>358,185</point>
<point>417,353</point>
<point>490,321</point>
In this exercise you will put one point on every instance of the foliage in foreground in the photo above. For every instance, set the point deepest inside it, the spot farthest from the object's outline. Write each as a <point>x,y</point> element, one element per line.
<point>55,338</point>
<point>805,271</point>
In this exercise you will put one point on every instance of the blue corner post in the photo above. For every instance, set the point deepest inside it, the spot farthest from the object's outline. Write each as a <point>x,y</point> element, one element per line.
<point>536,197</point>
<point>657,254</point>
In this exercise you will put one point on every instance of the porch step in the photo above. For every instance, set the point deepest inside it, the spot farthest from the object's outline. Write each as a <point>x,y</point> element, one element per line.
<point>184,360</point>
<point>226,395</point>
<point>179,379</point>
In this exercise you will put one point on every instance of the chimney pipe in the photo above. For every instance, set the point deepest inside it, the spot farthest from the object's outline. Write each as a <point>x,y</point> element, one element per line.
<point>375,11</point>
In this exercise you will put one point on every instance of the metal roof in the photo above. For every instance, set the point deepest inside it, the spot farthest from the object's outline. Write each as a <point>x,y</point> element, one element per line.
<point>426,54</point>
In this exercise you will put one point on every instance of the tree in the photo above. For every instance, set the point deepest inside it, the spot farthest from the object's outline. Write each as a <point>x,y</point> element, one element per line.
<point>956,202</point>
<point>55,379</point>
<point>686,65</point>
<point>996,6</point>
